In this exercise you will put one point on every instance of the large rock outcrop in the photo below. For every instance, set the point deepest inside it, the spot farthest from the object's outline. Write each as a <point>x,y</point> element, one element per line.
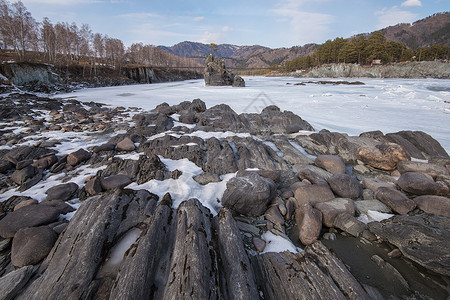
<point>216,74</point>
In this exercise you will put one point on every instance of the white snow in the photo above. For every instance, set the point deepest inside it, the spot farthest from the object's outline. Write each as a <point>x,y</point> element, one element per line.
<point>117,252</point>
<point>275,243</point>
<point>374,216</point>
<point>389,105</point>
<point>185,187</point>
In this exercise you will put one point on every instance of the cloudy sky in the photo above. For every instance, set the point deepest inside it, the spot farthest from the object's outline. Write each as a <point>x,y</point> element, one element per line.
<point>272,23</point>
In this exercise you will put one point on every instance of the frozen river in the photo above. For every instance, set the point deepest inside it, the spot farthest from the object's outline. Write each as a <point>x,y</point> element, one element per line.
<point>389,105</point>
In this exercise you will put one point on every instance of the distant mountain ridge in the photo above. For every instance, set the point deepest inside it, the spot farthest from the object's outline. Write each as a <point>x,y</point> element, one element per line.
<point>425,32</point>
<point>240,56</point>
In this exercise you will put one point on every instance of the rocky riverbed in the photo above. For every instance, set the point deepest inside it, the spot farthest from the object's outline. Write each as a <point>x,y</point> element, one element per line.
<point>186,201</point>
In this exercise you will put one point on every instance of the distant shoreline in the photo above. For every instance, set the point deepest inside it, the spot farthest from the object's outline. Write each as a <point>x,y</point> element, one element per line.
<point>413,70</point>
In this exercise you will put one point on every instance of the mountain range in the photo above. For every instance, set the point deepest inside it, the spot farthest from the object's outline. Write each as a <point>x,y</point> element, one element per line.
<point>426,32</point>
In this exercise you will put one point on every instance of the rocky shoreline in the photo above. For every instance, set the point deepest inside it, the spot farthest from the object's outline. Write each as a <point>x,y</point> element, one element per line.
<point>186,201</point>
<point>415,69</point>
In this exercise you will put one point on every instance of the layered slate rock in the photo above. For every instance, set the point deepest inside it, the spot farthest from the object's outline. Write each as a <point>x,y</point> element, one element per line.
<point>106,218</point>
<point>193,267</point>
<point>78,157</point>
<point>304,275</point>
<point>216,74</point>
<point>13,282</point>
<point>427,168</point>
<point>421,238</point>
<point>137,275</point>
<point>332,208</point>
<point>249,195</point>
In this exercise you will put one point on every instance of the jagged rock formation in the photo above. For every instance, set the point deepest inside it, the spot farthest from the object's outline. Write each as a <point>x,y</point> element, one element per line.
<point>216,74</point>
<point>138,233</point>
<point>37,77</point>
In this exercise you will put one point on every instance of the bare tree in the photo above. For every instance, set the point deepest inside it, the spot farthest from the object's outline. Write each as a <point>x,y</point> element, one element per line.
<point>48,37</point>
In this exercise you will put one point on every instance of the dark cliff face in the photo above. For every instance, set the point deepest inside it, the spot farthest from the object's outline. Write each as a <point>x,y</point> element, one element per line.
<point>48,79</point>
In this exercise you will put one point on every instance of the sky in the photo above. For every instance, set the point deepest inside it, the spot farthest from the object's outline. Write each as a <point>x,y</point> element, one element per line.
<point>271,23</point>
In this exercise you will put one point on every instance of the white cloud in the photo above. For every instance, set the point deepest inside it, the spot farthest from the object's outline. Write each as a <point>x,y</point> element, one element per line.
<point>141,15</point>
<point>304,27</point>
<point>393,16</point>
<point>227,29</point>
<point>412,3</point>
<point>210,37</point>
<point>198,19</point>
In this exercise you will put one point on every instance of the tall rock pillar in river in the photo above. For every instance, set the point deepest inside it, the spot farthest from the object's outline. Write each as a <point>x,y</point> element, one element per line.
<point>217,75</point>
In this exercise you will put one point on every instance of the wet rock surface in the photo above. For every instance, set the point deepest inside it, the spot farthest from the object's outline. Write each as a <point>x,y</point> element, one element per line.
<point>188,201</point>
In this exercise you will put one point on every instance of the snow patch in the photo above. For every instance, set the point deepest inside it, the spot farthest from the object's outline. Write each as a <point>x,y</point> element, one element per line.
<point>275,243</point>
<point>185,187</point>
<point>374,216</point>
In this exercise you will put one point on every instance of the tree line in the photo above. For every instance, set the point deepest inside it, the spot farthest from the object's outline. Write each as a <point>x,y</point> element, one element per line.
<point>63,43</point>
<point>364,51</point>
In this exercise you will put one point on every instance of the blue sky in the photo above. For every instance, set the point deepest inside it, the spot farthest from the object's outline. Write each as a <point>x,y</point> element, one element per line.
<point>272,23</point>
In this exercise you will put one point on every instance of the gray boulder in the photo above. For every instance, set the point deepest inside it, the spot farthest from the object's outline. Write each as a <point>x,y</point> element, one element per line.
<point>28,216</point>
<point>115,181</point>
<point>395,200</point>
<point>362,206</point>
<point>126,145</point>
<point>436,205</point>
<point>420,184</point>
<point>332,163</point>
<point>249,195</point>
<point>309,222</point>
<point>78,157</point>
<point>427,168</point>
<point>345,186</point>
<point>31,245</point>
<point>62,192</point>
<point>332,208</point>
<point>24,174</point>
<point>313,193</point>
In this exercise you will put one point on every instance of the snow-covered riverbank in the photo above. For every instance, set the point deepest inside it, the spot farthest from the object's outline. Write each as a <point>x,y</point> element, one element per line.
<point>388,105</point>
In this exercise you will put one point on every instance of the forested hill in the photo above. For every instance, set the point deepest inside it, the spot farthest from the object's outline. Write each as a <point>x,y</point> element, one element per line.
<point>434,30</point>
